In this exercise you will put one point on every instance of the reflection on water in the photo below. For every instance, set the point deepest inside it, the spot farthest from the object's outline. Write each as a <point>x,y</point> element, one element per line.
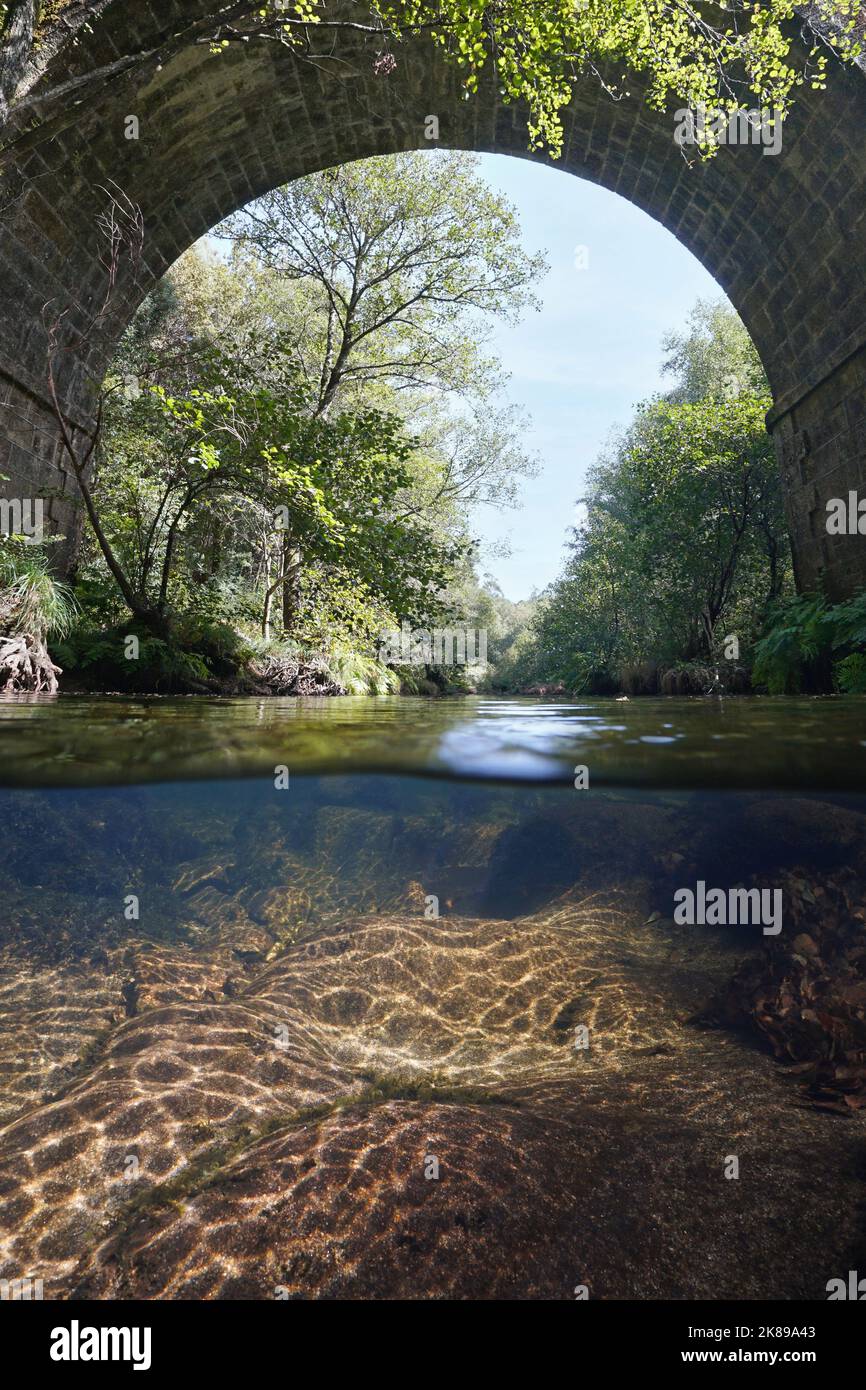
<point>725,743</point>
<point>381,1035</point>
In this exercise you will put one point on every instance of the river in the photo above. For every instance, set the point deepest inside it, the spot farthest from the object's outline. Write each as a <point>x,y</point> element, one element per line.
<point>399,998</point>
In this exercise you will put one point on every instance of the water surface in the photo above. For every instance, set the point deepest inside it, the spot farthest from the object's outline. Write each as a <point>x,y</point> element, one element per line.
<point>419,1021</point>
<point>755,742</point>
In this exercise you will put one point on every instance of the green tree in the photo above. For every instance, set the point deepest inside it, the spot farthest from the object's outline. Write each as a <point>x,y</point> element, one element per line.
<point>181,464</point>
<point>405,259</point>
<point>684,541</point>
<point>714,359</point>
<point>398,266</point>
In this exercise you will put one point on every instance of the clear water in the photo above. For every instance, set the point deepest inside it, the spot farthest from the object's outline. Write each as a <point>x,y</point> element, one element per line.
<point>366,999</point>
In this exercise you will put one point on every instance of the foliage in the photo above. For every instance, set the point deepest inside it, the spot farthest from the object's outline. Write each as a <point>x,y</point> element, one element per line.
<point>32,599</point>
<point>359,674</point>
<point>850,674</point>
<point>683,542</point>
<point>183,465</point>
<point>683,533</point>
<point>807,639</point>
<point>741,53</point>
<point>392,259</point>
<point>294,439</point>
<point>197,656</point>
<point>799,633</point>
<point>714,359</point>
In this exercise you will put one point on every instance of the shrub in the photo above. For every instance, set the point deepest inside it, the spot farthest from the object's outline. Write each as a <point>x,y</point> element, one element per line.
<point>811,645</point>
<point>32,600</point>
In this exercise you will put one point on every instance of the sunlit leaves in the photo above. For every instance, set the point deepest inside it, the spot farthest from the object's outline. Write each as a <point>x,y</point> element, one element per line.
<point>737,55</point>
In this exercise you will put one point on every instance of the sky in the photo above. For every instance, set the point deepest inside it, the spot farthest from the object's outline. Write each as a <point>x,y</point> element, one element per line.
<point>580,365</point>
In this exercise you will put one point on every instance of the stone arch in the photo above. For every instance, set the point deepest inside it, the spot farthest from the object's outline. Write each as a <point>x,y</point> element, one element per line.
<point>784,236</point>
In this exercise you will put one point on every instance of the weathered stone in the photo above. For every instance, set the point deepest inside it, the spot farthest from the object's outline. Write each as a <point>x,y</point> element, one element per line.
<point>784,236</point>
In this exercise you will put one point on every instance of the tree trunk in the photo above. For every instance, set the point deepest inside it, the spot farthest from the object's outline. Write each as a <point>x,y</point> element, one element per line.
<point>291,583</point>
<point>269,594</point>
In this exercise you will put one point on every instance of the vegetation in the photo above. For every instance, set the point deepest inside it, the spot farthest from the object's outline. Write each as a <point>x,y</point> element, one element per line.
<point>679,580</point>
<point>33,606</point>
<point>813,646</point>
<point>296,430</point>
<point>33,599</point>
<point>723,58</point>
<point>683,551</point>
<point>738,55</point>
<point>294,434</point>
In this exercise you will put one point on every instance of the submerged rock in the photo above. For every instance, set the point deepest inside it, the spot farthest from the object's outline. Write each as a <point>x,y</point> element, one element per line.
<point>530,864</point>
<point>291,1078</point>
<point>749,836</point>
<point>805,994</point>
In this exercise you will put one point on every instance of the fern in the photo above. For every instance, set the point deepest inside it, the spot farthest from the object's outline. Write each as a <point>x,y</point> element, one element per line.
<point>808,636</point>
<point>801,632</point>
<point>359,674</point>
<point>850,674</point>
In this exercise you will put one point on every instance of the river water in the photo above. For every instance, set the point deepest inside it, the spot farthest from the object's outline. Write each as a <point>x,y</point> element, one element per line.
<point>394,998</point>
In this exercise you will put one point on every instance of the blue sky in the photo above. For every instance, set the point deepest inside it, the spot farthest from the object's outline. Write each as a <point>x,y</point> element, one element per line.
<point>593,351</point>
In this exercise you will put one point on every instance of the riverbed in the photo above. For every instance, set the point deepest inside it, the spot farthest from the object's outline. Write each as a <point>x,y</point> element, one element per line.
<point>388,998</point>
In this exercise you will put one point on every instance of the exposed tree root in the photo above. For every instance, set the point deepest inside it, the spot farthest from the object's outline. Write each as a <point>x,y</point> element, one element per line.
<point>287,675</point>
<point>25,665</point>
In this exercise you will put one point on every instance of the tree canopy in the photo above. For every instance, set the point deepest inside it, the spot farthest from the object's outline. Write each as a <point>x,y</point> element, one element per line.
<point>726,56</point>
<point>296,428</point>
<point>684,544</point>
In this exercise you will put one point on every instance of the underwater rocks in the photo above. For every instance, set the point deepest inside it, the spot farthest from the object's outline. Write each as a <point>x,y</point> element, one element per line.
<point>805,994</point>
<point>168,1087</point>
<point>51,1017</point>
<point>342,1209</point>
<point>748,836</point>
<point>279,1143</point>
<point>536,1196</point>
<point>530,864</point>
<point>287,1080</point>
<point>596,842</point>
<point>89,842</point>
<point>72,966</point>
<point>175,1088</point>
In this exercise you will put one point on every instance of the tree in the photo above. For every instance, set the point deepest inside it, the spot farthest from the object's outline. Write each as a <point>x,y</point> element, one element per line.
<point>397,263</point>
<point>714,359</point>
<point>692,487</point>
<point>401,255</point>
<point>180,464</point>
<point>696,53</point>
<point>684,540</point>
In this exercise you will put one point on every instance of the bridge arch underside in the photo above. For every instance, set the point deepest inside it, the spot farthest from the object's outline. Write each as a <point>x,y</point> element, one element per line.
<point>784,236</point>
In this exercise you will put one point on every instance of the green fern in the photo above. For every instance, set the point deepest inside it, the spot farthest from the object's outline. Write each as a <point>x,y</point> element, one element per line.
<point>850,674</point>
<point>801,632</point>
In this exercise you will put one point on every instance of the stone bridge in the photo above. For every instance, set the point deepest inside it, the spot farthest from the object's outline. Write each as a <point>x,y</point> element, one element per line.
<point>784,236</point>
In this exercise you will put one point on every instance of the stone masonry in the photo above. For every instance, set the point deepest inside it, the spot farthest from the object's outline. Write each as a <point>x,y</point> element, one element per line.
<point>784,236</point>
